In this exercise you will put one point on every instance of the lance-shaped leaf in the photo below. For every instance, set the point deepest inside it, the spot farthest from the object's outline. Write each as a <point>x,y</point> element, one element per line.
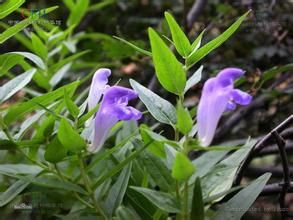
<point>21,25</point>
<point>169,70</point>
<point>8,7</point>
<point>236,207</point>
<point>180,40</point>
<point>206,49</point>
<point>160,109</point>
<point>164,201</point>
<point>16,84</point>
<point>194,79</point>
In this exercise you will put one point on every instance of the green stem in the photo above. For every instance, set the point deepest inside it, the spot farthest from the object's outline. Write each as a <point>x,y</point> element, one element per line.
<point>87,184</point>
<point>185,211</point>
<point>75,193</point>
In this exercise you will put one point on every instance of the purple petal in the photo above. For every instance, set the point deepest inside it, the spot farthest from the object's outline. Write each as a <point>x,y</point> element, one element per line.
<point>240,97</point>
<point>113,108</point>
<point>230,106</point>
<point>103,124</point>
<point>227,76</point>
<point>126,113</point>
<point>119,95</point>
<point>212,104</point>
<point>98,86</point>
<point>217,97</point>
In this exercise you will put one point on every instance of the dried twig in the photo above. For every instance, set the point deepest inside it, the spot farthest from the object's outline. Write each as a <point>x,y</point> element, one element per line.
<point>259,146</point>
<point>194,12</point>
<point>275,188</point>
<point>286,185</point>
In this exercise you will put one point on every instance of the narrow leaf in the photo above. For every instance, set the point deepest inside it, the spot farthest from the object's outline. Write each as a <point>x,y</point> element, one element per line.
<point>180,40</point>
<point>197,210</point>
<point>16,84</point>
<point>169,70</point>
<point>117,191</point>
<point>12,192</point>
<point>8,7</point>
<point>21,25</point>
<point>237,206</point>
<point>194,79</point>
<point>145,52</point>
<point>160,109</point>
<point>206,49</point>
<point>164,201</point>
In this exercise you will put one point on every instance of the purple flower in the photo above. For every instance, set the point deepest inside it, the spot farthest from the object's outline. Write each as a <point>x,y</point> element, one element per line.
<point>113,107</point>
<point>218,96</point>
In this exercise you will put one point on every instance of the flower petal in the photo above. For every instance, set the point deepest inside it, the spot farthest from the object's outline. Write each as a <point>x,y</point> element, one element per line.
<point>98,86</point>
<point>119,95</point>
<point>240,97</point>
<point>112,109</point>
<point>211,107</point>
<point>126,113</point>
<point>103,124</point>
<point>227,76</point>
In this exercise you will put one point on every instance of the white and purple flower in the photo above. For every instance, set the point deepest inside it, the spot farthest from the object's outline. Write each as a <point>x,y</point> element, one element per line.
<point>113,108</point>
<point>218,96</point>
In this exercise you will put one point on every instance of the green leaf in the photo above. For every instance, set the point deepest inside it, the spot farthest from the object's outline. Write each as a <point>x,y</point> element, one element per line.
<point>58,76</point>
<point>39,47</point>
<point>21,25</point>
<point>197,210</point>
<point>7,145</point>
<point>163,201</point>
<point>124,213</point>
<point>182,168</point>
<point>207,48</point>
<point>158,171</point>
<point>12,192</point>
<point>55,151</point>
<point>184,120</point>
<point>100,5</point>
<point>16,84</point>
<point>50,182</point>
<point>145,52</point>
<point>19,169</point>
<point>69,4</point>
<point>67,60</point>
<point>122,164</point>
<point>8,7</point>
<point>157,147</point>
<point>78,12</point>
<point>180,40</point>
<point>71,106</point>
<point>169,70</point>
<point>18,110</point>
<point>7,61</point>
<point>69,138</point>
<point>237,206</point>
<point>194,79</point>
<point>196,43</point>
<point>221,177</point>
<point>117,191</point>
<point>32,57</point>
<point>160,109</point>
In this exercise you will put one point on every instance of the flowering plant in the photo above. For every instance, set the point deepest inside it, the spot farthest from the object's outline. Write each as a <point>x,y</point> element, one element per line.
<point>119,151</point>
